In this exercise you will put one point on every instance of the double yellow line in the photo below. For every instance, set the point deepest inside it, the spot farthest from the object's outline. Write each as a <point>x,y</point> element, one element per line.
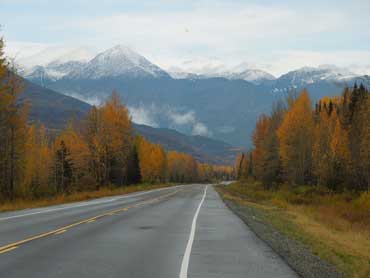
<point>12,246</point>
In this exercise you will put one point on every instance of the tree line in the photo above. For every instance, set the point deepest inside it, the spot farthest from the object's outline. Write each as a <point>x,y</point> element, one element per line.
<point>327,144</point>
<point>96,151</point>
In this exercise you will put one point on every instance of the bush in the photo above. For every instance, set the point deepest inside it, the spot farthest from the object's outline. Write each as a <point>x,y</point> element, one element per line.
<point>363,203</point>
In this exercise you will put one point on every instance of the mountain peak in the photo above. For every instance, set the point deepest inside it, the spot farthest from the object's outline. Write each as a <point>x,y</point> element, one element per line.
<point>120,50</point>
<point>119,61</point>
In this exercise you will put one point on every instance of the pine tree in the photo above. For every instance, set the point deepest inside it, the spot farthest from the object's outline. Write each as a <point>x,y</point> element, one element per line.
<point>133,167</point>
<point>63,168</point>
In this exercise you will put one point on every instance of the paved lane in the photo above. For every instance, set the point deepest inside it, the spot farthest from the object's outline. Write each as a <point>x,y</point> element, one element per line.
<point>146,237</point>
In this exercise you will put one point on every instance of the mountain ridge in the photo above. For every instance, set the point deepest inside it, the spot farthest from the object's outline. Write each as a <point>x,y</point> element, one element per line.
<point>56,110</point>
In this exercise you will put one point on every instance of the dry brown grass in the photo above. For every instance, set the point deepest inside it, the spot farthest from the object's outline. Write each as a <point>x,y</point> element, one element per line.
<point>335,226</point>
<point>19,204</point>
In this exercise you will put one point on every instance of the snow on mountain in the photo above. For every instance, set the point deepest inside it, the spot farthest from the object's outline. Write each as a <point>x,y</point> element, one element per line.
<point>56,54</point>
<point>183,75</point>
<point>80,54</point>
<point>309,75</point>
<point>118,61</point>
<point>200,66</point>
<point>54,63</point>
<point>255,76</point>
<point>305,76</point>
<point>212,67</point>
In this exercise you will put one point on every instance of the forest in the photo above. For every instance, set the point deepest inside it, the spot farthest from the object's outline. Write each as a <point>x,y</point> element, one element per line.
<point>327,144</point>
<point>90,153</point>
<point>308,176</point>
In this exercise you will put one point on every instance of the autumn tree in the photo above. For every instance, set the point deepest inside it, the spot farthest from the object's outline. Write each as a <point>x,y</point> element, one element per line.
<point>109,138</point>
<point>267,166</point>
<point>12,128</point>
<point>259,137</point>
<point>72,157</point>
<point>152,161</point>
<point>365,144</point>
<point>38,163</point>
<point>295,140</point>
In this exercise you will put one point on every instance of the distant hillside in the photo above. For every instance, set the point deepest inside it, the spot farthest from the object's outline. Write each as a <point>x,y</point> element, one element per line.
<point>202,148</point>
<point>52,108</point>
<point>55,110</point>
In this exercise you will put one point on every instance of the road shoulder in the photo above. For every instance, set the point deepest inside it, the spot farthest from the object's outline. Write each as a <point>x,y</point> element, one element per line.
<point>298,256</point>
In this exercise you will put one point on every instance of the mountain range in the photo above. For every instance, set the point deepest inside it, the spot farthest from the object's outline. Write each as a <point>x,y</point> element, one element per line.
<point>210,101</point>
<point>55,110</point>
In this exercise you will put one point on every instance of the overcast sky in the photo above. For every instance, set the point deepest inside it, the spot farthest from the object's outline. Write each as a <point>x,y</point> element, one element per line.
<point>273,35</point>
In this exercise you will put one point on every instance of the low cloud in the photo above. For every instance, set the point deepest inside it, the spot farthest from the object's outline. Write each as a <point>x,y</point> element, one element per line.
<point>188,118</point>
<point>182,119</point>
<point>163,116</point>
<point>200,129</point>
<point>92,100</point>
<point>144,115</point>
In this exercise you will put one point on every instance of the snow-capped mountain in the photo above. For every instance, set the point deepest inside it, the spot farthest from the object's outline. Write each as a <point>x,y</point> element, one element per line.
<point>309,75</point>
<point>54,63</point>
<point>313,76</point>
<point>56,55</point>
<point>211,68</point>
<point>255,76</point>
<point>202,66</point>
<point>116,62</point>
<point>120,61</point>
<point>52,72</point>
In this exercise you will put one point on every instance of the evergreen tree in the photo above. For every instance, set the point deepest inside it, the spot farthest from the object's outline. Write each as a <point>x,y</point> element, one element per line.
<point>133,167</point>
<point>63,168</point>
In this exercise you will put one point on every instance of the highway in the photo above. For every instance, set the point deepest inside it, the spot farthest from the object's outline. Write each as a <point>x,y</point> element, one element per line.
<point>182,231</point>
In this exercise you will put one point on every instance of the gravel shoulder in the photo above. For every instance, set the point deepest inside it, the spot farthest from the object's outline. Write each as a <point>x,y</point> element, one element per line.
<point>298,256</point>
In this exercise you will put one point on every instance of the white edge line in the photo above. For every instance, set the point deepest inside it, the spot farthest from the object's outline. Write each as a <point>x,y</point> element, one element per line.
<point>89,203</point>
<point>186,258</point>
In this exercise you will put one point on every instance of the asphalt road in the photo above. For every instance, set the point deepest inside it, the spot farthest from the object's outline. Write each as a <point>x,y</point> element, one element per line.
<point>183,231</point>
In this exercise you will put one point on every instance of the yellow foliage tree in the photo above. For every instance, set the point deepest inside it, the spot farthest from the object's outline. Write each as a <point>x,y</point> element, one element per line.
<point>295,138</point>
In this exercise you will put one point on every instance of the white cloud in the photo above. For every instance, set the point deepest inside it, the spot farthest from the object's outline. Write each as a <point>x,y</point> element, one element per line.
<point>19,49</point>
<point>188,118</point>
<point>182,119</point>
<point>92,100</point>
<point>200,129</point>
<point>175,118</point>
<point>227,30</point>
<point>224,32</point>
<point>144,115</point>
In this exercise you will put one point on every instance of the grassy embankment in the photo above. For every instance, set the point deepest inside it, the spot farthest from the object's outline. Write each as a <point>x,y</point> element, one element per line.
<point>336,227</point>
<point>18,204</point>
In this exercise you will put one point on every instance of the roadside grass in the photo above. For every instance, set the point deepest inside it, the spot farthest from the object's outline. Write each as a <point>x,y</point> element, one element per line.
<point>336,227</point>
<point>21,203</point>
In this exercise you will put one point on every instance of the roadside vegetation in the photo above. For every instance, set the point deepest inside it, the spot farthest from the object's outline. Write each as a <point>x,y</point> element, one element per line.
<point>336,227</point>
<point>57,199</point>
<point>309,172</point>
<point>99,154</point>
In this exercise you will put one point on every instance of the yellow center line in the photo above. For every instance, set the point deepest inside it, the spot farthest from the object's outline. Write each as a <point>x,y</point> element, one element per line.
<point>90,221</point>
<point>9,249</point>
<point>60,232</point>
<point>14,245</point>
